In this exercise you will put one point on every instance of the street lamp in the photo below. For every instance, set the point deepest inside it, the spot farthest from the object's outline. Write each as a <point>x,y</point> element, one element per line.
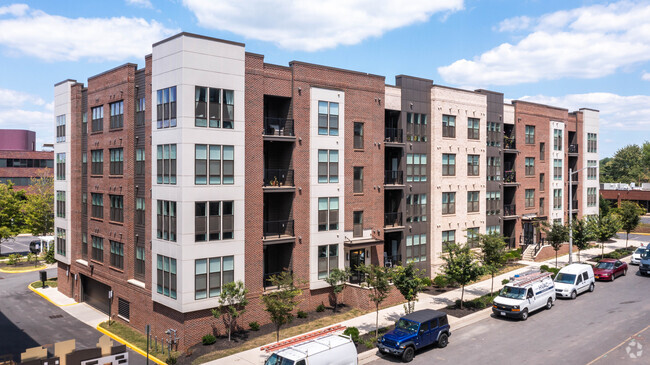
<point>571,172</point>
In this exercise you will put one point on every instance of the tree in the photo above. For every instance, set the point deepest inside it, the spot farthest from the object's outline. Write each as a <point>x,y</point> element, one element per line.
<point>281,302</point>
<point>377,279</point>
<point>603,229</point>
<point>626,166</point>
<point>582,235</point>
<point>232,304</point>
<point>49,255</point>
<point>10,215</point>
<point>493,254</point>
<point>604,206</point>
<point>410,283</point>
<point>39,206</point>
<point>556,235</point>
<point>336,280</point>
<point>461,266</point>
<point>629,214</point>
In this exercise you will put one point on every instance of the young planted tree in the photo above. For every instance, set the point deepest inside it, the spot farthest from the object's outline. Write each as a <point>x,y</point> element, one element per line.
<point>377,279</point>
<point>39,206</point>
<point>232,304</point>
<point>604,228</point>
<point>461,266</point>
<point>10,216</point>
<point>604,206</point>
<point>582,235</point>
<point>556,235</point>
<point>336,280</point>
<point>409,281</point>
<point>493,254</point>
<point>630,216</point>
<point>281,302</point>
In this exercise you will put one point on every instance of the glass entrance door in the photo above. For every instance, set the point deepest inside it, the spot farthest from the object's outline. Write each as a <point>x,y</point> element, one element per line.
<point>357,258</point>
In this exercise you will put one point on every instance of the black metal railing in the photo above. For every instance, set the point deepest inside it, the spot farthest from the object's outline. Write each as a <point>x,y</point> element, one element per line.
<point>394,135</point>
<point>278,177</point>
<point>393,219</point>
<point>509,209</point>
<point>394,260</point>
<point>509,143</point>
<point>509,176</point>
<point>573,148</point>
<point>278,127</point>
<point>273,229</point>
<point>393,177</point>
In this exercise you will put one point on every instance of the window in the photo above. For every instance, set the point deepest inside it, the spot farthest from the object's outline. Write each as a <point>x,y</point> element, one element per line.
<point>139,111</point>
<point>84,123</point>
<point>139,161</point>
<point>328,260</point>
<point>494,136</point>
<point>541,206</point>
<point>166,220</point>
<point>229,110</point>
<point>96,162</point>
<point>117,115</point>
<point>473,165</point>
<point>117,208</point>
<point>493,229</point>
<point>592,142</point>
<point>542,150</point>
<point>557,199</point>
<point>416,167</point>
<point>530,166</point>
<point>60,241</point>
<point>60,128</point>
<point>98,248</point>
<point>494,169</point>
<point>213,221</point>
<point>472,237</point>
<point>60,204</point>
<point>557,169</point>
<point>97,122</point>
<point>591,169</point>
<point>166,107</point>
<point>140,262</point>
<point>557,139</point>
<point>416,208</point>
<point>123,308</point>
<point>448,203</point>
<point>416,248</point>
<point>358,180</point>
<point>473,131</point>
<point>592,198</point>
<point>210,275</point>
<point>117,254</point>
<point>84,246</point>
<point>416,127</point>
<point>97,201</point>
<point>139,211</point>
<point>328,118</point>
<point>448,126</point>
<point>530,198</point>
<point>473,201</point>
<point>357,224</point>
<point>166,164</point>
<point>117,161</point>
<point>207,107</point>
<point>493,203</point>
<point>448,164</point>
<point>60,166</point>
<point>358,135</point>
<point>214,164</point>
<point>84,203</point>
<point>166,276</point>
<point>530,134</point>
<point>328,214</point>
<point>541,182</point>
<point>448,237</point>
<point>84,163</point>
<point>328,166</point>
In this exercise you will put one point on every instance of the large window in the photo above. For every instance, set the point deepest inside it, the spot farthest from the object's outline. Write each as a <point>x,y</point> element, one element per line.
<point>139,211</point>
<point>208,111</point>
<point>448,203</point>
<point>213,221</point>
<point>97,201</point>
<point>139,161</point>
<point>166,220</point>
<point>97,122</point>
<point>473,165</point>
<point>592,197</point>
<point>530,166</point>
<point>416,167</point>
<point>60,166</point>
<point>140,262</point>
<point>416,248</point>
<point>357,223</point>
<point>214,164</point>
<point>328,214</point>
<point>117,114</point>
<point>448,237</point>
<point>96,162</point>
<point>117,208</point>
<point>328,118</point>
<point>472,237</point>
<point>557,139</point>
<point>557,169</point>
<point>448,164</point>
<point>139,111</point>
<point>493,229</point>
<point>530,134</point>
<point>448,126</point>
<point>60,241</point>
<point>117,161</point>
<point>166,276</point>
<point>60,204</point>
<point>592,142</point>
<point>358,135</point>
<point>493,203</point>
<point>358,180</point>
<point>166,107</point>
<point>530,198</point>
<point>98,248</point>
<point>416,208</point>
<point>117,254</point>
<point>557,199</point>
<point>473,201</point>
<point>494,168</point>
<point>473,131</point>
<point>210,275</point>
<point>60,128</point>
<point>416,127</point>
<point>328,260</point>
<point>166,164</point>
<point>328,166</point>
<point>592,169</point>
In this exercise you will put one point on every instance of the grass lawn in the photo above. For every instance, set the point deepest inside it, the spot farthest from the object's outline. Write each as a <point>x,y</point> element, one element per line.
<point>642,228</point>
<point>289,332</point>
<point>11,268</point>
<point>52,283</point>
<point>135,338</point>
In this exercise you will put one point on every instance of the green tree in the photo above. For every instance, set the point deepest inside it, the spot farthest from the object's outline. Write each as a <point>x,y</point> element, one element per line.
<point>556,235</point>
<point>49,255</point>
<point>39,206</point>
<point>461,266</point>
<point>582,235</point>
<point>626,166</point>
<point>603,229</point>
<point>232,304</point>
<point>493,254</point>
<point>630,216</point>
<point>281,302</point>
<point>336,280</point>
<point>10,215</point>
<point>410,282</point>
<point>377,279</point>
<point>604,206</point>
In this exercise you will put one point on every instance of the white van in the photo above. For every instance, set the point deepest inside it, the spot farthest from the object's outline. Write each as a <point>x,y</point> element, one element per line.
<point>574,279</point>
<point>525,294</point>
<point>326,350</point>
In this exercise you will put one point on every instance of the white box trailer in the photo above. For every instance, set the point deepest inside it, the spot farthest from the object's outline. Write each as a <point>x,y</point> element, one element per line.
<point>326,350</point>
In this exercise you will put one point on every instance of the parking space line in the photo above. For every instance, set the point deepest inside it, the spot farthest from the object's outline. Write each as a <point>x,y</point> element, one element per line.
<point>617,346</point>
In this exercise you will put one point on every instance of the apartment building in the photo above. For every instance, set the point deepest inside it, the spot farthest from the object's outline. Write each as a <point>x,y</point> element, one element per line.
<point>19,159</point>
<point>221,167</point>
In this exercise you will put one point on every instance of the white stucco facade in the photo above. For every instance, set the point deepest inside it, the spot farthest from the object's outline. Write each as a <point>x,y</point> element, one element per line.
<point>63,107</point>
<point>553,183</point>
<point>591,124</point>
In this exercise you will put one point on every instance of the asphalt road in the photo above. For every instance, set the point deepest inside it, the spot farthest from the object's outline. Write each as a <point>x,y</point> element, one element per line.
<point>16,245</point>
<point>27,320</point>
<point>593,329</point>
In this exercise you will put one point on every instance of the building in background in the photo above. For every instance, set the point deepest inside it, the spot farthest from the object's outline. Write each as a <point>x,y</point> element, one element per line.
<point>19,159</point>
<point>617,192</point>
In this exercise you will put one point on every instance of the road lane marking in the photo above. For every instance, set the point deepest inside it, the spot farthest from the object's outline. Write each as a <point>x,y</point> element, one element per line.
<point>617,346</point>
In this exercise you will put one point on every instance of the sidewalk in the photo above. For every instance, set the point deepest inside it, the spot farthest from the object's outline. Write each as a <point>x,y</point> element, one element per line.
<point>81,311</point>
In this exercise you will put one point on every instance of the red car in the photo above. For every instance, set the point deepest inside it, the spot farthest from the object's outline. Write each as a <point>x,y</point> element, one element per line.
<point>609,269</point>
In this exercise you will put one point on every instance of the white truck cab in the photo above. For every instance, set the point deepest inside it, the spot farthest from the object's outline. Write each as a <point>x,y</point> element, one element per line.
<point>574,279</point>
<point>326,350</point>
<point>525,293</point>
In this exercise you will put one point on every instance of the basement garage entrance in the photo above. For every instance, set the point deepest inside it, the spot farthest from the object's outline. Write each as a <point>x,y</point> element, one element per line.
<point>95,293</point>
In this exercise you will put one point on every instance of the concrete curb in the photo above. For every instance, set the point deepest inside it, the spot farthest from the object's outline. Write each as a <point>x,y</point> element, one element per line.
<point>130,345</point>
<point>47,298</point>
<point>26,270</point>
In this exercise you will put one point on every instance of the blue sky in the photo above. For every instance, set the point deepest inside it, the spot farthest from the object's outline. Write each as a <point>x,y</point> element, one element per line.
<point>573,54</point>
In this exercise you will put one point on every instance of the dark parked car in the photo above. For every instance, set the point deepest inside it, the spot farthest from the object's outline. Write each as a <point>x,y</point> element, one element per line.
<point>609,269</point>
<point>414,331</point>
<point>35,247</point>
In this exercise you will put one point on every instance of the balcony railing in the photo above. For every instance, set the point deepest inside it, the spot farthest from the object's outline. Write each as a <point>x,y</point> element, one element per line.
<point>509,143</point>
<point>391,261</point>
<point>393,177</point>
<point>393,219</point>
<point>509,177</point>
<point>573,148</point>
<point>278,229</point>
<point>278,127</point>
<point>509,209</point>
<point>278,177</point>
<point>574,205</point>
<point>574,177</point>
<point>394,135</point>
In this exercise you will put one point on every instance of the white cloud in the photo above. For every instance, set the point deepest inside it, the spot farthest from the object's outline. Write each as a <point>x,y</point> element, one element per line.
<point>141,3</point>
<point>14,9</point>
<point>21,110</point>
<point>57,38</point>
<point>14,98</point>
<point>645,76</point>
<point>587,42</point>
<point>312,25</point>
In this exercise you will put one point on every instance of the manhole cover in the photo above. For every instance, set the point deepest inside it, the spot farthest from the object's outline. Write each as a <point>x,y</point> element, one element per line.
<point>56,316</point>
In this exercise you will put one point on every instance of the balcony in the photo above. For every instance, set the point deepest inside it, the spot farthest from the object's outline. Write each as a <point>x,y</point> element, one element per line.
<point>393,220</point>
<point>278,229</point>
<point>394,135</point>
<point>574,178</point>
<point>393,177</point>
<point>509,143</point>
<point>278,127</point>
<point>509,177</point>
<point>574,205</point>
<point>573,148</point>
<point>278,178</point>
<point>509,210</point>
<point>392,261</point>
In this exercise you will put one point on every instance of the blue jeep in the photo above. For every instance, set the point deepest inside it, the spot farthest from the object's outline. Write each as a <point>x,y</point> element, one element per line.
<point>414,331</point>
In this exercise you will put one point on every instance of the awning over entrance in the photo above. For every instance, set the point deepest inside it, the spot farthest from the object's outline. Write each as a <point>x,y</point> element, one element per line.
<point>362,242</point>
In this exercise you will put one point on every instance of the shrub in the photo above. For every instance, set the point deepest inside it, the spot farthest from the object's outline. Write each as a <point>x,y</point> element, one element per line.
<point>440,281</point>
<point>13,259</point>
<point>49,256</point>
<point>171,360</point>
<point>208,339</point>
<point>320,308</point>
<point>544,268</point>
<point>254,326</point>
<point>302,314</point>
<point>505,281</point>
<point>353,332</point>
<point>370,343</point>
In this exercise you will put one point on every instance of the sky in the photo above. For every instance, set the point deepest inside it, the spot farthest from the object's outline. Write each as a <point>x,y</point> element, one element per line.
<point>572,54</point>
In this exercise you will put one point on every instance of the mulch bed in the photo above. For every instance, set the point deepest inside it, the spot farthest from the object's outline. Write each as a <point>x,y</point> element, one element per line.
<point>369,339</point>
